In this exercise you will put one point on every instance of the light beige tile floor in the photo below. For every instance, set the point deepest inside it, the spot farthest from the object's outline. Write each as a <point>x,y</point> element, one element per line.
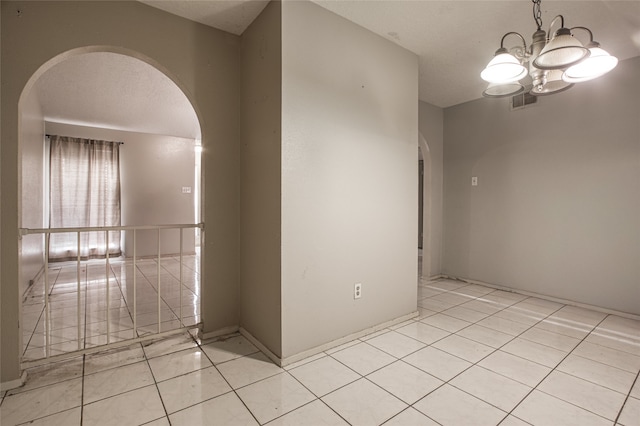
<point>475,356</point>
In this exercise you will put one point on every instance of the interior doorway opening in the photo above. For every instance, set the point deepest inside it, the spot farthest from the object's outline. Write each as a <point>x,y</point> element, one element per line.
<point>424,209</point>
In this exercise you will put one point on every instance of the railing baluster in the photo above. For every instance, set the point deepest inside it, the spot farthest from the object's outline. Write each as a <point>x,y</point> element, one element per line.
<point>47,331</point>
<point>181,323</point>
<point>135,272</point>
<point>159,299</point>
<point>108,298</point>
<point>79,298</point>
<point>81,331</point>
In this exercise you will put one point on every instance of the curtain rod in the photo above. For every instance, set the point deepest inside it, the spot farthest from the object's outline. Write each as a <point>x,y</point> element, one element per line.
<point>48,135</point>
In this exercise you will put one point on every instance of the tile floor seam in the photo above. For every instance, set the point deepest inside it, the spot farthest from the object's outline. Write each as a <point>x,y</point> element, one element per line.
<point>315,398</point>
<point>330,408</point>
<point>246,406</point>
<point>550,372</point>
<point>410,407</point>
<point>345,365</point>
<point>607,347</point>
<point>509,341</point>
<point>201,402</point>
<point>576,405</point>
<point>480,360</point>
<point>627,397</point>
<point>474,396</point>
<point>591,381</point>
<point>390,354</point>
<point>513,415</point>
<point>396,359</point>
<point>155,383</point>
<point>229,384</point>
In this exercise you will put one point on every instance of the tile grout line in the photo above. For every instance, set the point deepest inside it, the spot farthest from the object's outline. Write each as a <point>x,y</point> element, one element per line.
<point>155,382</point>
<point>627,398</point>
<point>316,398</point>
<point>401,359</point>
<point>554,369</point>
<point>227,382</point>
<point>486,356</point>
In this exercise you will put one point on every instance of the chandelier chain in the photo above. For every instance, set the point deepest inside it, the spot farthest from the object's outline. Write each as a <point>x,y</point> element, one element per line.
<point>537,13</point>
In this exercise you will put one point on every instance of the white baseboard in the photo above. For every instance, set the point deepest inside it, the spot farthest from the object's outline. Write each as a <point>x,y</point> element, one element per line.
<point>283,362</point>
<point>217,333</point>
<point>547,297</point>
<point>273,357</point>
<point>341,341</point>
<point>13,384</point>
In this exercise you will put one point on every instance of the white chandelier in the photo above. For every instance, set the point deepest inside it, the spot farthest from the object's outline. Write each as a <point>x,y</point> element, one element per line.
<point>554,64</point>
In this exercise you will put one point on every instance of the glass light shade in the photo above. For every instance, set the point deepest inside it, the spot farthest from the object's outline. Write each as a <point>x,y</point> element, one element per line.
<point>496,90</point>
<point>553,84</point>
<point>503,68</point>
<point>597,64</point>
<point>561,52</point>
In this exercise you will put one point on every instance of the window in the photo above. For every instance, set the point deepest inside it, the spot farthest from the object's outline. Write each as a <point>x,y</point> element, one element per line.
<point>84,192</point>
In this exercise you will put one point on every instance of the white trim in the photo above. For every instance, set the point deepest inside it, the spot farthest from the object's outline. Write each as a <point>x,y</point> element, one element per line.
<point>353,336</point>
<point>547,297</point>
<point>13,384</point>
<point>217,333</point>
<point>273,357</point>
<point>283,362</point>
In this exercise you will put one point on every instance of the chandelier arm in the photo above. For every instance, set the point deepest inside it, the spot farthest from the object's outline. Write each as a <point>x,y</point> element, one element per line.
<point>514,33</point>
<point>551,24</point>
<point>585,29</point>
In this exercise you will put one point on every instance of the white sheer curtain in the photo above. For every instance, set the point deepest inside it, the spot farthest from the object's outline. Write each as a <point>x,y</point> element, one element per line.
<point>84,192</point>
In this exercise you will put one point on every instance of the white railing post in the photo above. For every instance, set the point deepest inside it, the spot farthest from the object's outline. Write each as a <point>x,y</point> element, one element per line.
<point>135,313</point>
<point>78,297</point>
<point>108,297</point>
<point>47,331</point>
<point>159,298</point>
<point>180,230</point>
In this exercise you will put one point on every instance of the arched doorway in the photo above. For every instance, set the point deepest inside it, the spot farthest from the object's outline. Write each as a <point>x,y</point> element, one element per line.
<point>116,95</point>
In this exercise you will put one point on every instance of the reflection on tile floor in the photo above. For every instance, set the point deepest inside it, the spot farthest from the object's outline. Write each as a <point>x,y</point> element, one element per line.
<point>73,329</point>
<point>474,356</point>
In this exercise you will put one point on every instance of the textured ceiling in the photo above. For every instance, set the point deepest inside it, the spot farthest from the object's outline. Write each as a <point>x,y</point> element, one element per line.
<point>232,16</point>
<point>456,39</point>
<point>453,39</point>
<point>115,91</point>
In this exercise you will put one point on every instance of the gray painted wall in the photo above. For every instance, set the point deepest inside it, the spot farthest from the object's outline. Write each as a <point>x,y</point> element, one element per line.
<point>203,62</point>
<point>349,178</point>
<point>32,186</point>
<point>557,207</point>
<point>150,194</point>
<point>431,127</point>
<point>261,114</point>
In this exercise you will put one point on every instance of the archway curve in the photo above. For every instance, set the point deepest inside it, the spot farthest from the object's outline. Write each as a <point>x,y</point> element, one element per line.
<point>117,50</point>
<point>30,86</point>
